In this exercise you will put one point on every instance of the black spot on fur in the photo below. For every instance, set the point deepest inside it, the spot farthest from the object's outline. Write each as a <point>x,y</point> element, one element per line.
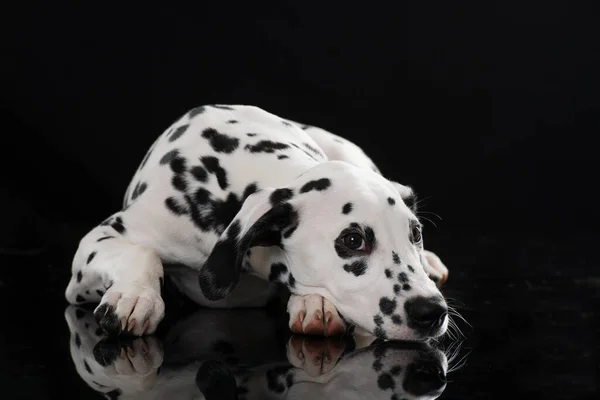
<point>388,273</point>
<point>139,188</point>
<point>220,142</point>
<point>396,258</point>
<point>79,276</point>
<point>411,269</point>
<point>251,134</point>
<point>387,306</point>
<point>397,319</point>
<point>174,206</point>
<point>118,226</point>
<point>377,365</point>
<point>199,174</point>
<point>391,201</point>
<point>79,313</point>
<point>338,140</point>
<point>280,196</point>
<point>170,155</point>
<point>212,165</point>
<point>178,132</point>
<point>378,320</point>
<point>396,369</point>
<point>380,333</point>
<point>196,111</point>
<point>232,121</point>
<point>80,299</point>
<point>179,183</point>
<point>313,149</point>
<point>291,281</point>
<point>178,165</point>
<point>397,289</point>
<point>91,257</point>
<point>347,208</point>
<point>277,271</point>
<point>266,146</point>
<point>77,340</point>
<point>385,381</point>
<point>100,292</point>
<point>286,123</point>
<point>289,380</point>
<point>87,292</point>
<point>358,268</point>
<point>282,156</point>
<point>406,287</point>
<point>223,347</point>
<point>402,277</point>
<point>87,367</point>
<point>319,185</point>
<point>104,238</point>
<point>221,107</point>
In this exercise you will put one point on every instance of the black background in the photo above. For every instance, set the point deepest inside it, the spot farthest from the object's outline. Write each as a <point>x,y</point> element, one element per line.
<point>489,109</point>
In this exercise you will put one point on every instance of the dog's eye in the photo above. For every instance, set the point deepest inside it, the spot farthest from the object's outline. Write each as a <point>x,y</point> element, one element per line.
<point>416,236</point>
<point>354,241</point>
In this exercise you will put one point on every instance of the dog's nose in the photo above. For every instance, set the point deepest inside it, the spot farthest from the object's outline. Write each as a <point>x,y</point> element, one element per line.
<point>426,313</point>
<point>424,378</point>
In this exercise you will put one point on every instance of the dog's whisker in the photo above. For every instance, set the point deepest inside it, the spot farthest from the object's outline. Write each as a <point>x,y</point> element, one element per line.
<point>427,219</point>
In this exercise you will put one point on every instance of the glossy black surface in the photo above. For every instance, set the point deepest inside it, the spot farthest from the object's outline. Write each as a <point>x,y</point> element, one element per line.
<point>532,309</point>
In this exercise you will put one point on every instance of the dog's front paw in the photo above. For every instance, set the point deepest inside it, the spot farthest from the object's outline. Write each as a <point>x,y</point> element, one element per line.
<point>134,310</point>
<point>314,315</point>
<point>316,356</point>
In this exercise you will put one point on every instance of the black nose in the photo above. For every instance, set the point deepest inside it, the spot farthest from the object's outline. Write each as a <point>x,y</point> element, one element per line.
<point>424,377</point>
<point>426,313</point>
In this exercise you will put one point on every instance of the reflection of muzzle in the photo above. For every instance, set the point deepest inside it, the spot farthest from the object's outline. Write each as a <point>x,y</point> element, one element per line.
<point>425,377</point>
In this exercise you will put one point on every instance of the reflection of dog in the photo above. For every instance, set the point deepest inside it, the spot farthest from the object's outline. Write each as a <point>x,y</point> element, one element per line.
<point>238,354</point>
<point>231,199</point>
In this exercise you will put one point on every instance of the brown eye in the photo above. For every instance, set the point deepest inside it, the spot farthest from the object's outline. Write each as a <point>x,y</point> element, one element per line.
<point>354,241</point>
<point>416,236</point>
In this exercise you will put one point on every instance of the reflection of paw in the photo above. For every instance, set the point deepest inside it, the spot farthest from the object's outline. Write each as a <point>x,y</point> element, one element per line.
<point>435,268</point>
<point>316,356</point>
<point>314,315</point>
<point>134,310</point>
<point>139,356</point>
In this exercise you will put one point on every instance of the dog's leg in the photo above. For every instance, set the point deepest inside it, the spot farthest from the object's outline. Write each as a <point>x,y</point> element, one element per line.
<point>125,278</point>
<point>435,268</point>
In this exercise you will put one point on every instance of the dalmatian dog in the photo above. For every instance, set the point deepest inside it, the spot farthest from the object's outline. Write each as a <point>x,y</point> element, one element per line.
<point>232,201</point>
<point>212,355</point>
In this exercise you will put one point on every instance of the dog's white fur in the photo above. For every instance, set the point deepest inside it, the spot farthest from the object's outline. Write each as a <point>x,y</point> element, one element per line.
<point>121,262</point>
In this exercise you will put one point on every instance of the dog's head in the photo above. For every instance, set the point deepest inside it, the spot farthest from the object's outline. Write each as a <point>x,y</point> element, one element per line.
<point>347,234</point>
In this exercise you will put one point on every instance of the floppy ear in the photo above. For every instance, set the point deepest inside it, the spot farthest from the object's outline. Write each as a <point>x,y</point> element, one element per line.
<point>408,195</point>
<point>261,221</point>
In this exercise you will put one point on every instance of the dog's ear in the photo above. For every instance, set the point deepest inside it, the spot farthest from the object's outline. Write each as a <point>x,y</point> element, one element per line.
<point>408,195</point>
<point>263,219</point>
